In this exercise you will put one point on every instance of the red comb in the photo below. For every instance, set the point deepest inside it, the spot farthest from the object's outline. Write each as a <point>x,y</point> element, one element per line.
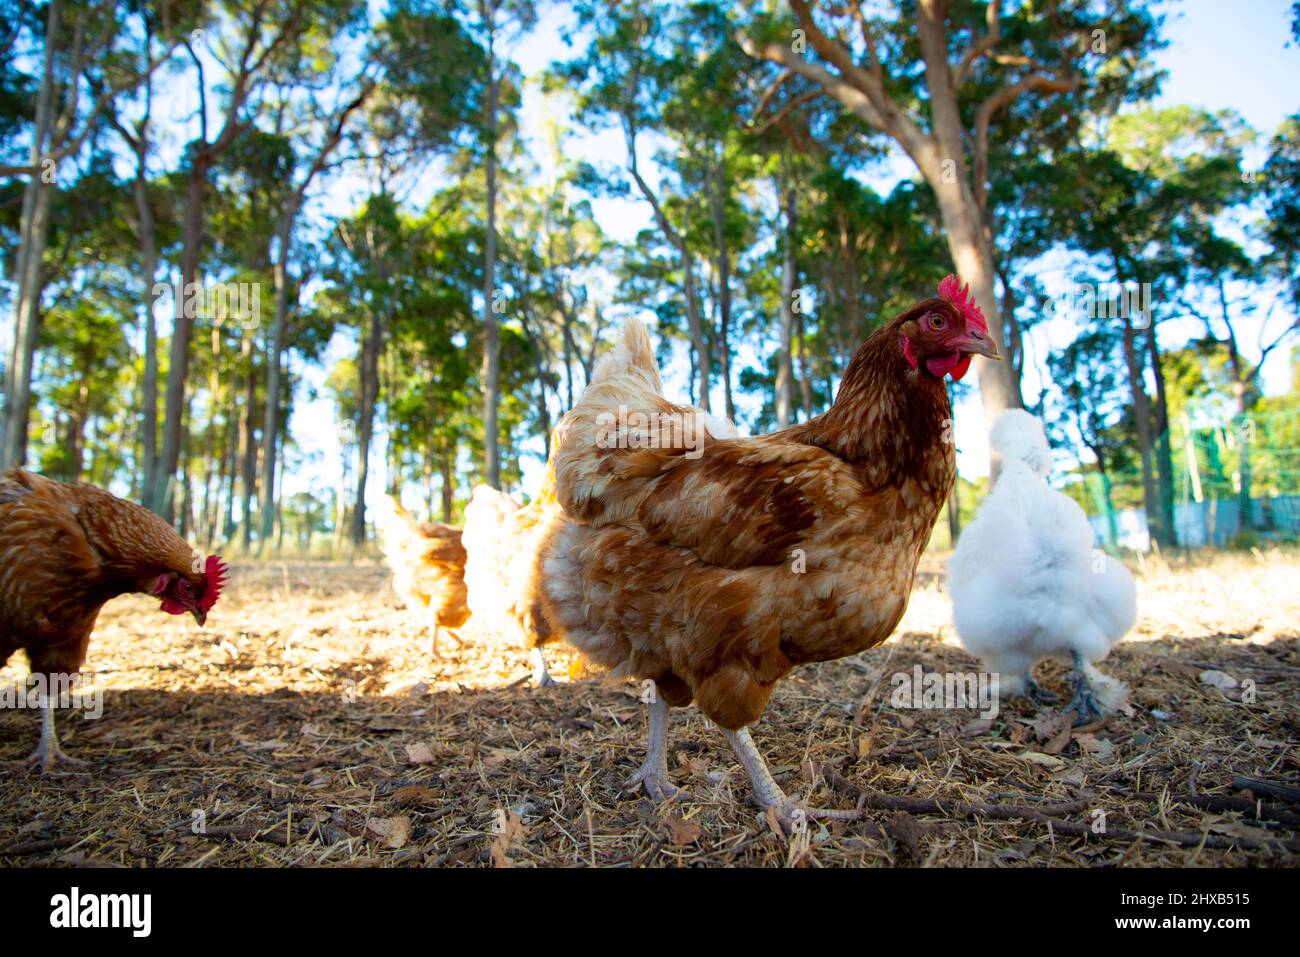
<point>954,292</point>
<point>216,573</point>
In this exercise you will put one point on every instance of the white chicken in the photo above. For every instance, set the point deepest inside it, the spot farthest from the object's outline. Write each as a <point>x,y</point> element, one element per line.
<point>1027,581</point>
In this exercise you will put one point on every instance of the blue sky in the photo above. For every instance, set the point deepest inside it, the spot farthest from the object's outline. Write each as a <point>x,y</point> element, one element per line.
<point>1221,55</point>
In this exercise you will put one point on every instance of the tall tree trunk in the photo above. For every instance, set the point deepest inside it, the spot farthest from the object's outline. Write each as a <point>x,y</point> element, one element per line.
<point>718,204</point>
<point>248,448</point>
<point>491,369</point>
<point>1241,394</point>
<point>448,484</point>
<point>1142,419</point>
<point>148,235</point>
<point>33,235</point>
<point>789,283</point>
<point>368,373</point>
<point>162,494</point>
<point>805,371</point>
<point>1134,364</point>
<point>1012,336</point>
<point>27,330</point>
<point>1163,451</point>
<point>274,358</point>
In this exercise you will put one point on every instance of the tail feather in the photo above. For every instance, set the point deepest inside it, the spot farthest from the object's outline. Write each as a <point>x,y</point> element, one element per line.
<point>635,354</point>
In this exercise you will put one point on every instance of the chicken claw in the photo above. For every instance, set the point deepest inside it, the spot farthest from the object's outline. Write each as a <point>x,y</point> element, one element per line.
<point>653,773</point>
<point>541,676</point>
<point>787,812</point>
<point>656,784</point>
<point>1084,703</point>
<point>1037,693</point>
<point>47,752</point>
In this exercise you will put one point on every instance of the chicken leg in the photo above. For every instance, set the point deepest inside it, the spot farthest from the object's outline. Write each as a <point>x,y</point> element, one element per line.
<point>789,812</point>
<point>653,773</point>
<point>47,752</point>
<point>541,676</point>
<point>1084,703</point>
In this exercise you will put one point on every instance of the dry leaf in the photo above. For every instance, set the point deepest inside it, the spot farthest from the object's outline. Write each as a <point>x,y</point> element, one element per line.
<point>1062,738</point>
<point>698,767</point>
<point>1045,760</point>
<point>1048,727</point>
<point>682,832</point>
<point>395,831</point>
<point>1087,742</point>
<point>419,753</point>
<point>510,834</point>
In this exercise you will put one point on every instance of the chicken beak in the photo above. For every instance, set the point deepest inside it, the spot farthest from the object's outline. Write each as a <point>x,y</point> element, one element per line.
<point>199,615</point>
<point>977,343</point>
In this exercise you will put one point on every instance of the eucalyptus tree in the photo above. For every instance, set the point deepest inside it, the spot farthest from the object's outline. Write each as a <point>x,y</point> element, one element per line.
<point>1281,188</point>
<point>322,90</point>
<point>624,79</point>
<point>368,263</point>
<point>242,46</point>
<point>86,62</point>
<point>497,19</point>
<point>974,62</point>
<point>1088,409</point>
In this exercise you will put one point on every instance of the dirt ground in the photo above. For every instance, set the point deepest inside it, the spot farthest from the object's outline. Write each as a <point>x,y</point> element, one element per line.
<point>308,724</point>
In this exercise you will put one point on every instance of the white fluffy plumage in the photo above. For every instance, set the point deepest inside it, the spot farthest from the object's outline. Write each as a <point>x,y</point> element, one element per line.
<point>1026,580</point>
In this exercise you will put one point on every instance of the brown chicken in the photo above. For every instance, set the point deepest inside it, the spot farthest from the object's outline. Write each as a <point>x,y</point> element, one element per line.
<point>714,567</point>
<point>501,569</point>
<point>65,550</point>
<point>428,563</point>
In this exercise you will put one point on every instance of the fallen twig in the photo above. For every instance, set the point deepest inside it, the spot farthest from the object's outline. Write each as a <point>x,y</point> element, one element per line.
<point>37,847</point>
<point>1274,789</point>
<point>1259,810</point>
<point>1051,815</point>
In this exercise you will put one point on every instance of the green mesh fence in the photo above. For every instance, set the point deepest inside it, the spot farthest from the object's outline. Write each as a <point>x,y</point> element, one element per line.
<point>1236,483</point>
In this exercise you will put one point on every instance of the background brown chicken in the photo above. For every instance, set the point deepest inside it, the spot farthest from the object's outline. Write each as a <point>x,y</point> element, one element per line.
<point>65,550</point>
<point>501,569</point>
<point>428,563</point>
<point>714,570</point>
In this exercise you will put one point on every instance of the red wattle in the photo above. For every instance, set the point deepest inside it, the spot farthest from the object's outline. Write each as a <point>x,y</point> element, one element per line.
<point>942,364</point>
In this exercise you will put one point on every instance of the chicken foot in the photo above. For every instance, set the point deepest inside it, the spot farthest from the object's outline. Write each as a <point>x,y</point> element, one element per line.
<point>47,752</point>
<point>789,812</point>
<point>1037,693</point>
<point>1084,703</point>
<point>541,676</point>
<point>653,773</point>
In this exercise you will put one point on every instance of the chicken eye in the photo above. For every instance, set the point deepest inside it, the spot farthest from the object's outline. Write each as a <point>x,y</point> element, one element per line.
<point>937,321</point>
